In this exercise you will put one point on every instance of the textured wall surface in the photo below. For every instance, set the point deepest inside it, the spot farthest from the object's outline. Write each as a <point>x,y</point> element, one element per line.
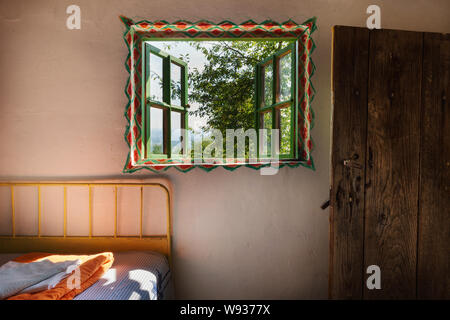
<point>236,234</point>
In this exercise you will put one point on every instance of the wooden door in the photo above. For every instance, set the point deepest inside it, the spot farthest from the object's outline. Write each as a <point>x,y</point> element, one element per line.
<point>390,164</point>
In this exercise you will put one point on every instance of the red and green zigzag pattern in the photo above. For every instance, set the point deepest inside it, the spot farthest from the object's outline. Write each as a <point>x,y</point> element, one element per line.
<point>136,31</point>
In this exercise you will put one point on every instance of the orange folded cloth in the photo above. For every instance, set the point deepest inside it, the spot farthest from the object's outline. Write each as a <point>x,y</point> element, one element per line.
<point>91,269</point>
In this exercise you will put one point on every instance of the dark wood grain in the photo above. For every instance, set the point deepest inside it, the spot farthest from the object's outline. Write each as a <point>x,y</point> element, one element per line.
<point>392,161</point>
<point>350,73</point>
<point>433,275</point>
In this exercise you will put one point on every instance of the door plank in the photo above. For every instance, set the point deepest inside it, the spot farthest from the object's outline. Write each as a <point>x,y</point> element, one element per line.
<point>350,73</point>
<point>392,161</point>
<point>433,278</point>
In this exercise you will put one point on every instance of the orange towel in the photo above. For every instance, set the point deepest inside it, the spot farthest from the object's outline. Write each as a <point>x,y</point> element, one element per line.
<point>91,269</point>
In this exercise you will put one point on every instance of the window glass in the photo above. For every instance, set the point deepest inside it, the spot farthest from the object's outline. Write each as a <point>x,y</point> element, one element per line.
<point>175,87</point>
<point>266,123</point>
<point>285,130</point>
<point>156,78</point>
<point>285,77</point>
<point>176,137</point>
<point>156,131</point>
<point>268,84</point>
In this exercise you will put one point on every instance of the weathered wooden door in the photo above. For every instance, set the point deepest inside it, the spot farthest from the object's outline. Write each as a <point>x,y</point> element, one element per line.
<point>390,189</point>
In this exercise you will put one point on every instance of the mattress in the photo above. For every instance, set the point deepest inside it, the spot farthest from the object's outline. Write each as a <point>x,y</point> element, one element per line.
<point>134,275</point>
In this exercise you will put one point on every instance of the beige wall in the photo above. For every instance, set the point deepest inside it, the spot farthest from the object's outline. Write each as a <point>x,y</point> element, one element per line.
<point>236,234</point>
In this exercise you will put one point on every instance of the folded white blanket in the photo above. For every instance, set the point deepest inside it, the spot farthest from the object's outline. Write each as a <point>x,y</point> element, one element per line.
<point>52,281</point>
<point>16,276</point>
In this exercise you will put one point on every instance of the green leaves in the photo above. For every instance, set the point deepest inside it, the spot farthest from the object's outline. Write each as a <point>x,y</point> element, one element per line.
<point>224,88</point>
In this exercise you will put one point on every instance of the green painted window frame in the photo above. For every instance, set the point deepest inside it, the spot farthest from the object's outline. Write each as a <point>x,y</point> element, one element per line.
<point>166,105</point>
<point>276,104</point>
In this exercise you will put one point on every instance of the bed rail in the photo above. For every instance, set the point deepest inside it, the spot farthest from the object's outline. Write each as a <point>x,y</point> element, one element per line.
<point>90,243</point>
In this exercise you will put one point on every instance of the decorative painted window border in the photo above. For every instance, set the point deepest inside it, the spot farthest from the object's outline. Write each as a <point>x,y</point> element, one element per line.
<point>136,31</point>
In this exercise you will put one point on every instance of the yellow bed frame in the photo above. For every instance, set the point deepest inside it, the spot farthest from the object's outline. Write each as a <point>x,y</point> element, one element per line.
<point>86,244</point>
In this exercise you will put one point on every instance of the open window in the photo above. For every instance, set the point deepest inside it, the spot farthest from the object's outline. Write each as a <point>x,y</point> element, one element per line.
<point>164,105</point>
<point>217,70</point>
<point>224,77</point>
<point>276,103</point>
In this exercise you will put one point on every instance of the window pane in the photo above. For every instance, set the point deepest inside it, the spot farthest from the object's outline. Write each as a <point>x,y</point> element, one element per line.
<point>156,131</point>
<point>267,120</point>
<point>265,142</point>
<point>176,134</point>
<point>156,78</point>
<point>285,130</point>
<point>268,84</point>
<point>175,78</point>
<point>285,77</point>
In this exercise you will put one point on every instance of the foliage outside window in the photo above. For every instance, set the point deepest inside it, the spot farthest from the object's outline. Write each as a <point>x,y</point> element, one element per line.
<point>237,80</point>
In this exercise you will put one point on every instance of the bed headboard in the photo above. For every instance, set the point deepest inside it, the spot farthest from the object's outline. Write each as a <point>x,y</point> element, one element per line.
<point>87,244</point>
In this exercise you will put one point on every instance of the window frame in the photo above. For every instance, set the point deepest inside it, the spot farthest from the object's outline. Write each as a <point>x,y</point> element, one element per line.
<point>165,105</point>
<point>138,31</point>
<point>277,105</point>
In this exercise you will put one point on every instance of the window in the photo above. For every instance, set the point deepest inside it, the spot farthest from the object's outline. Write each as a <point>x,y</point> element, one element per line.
<point>166,94</point>
<point>242,78</point>
<point>276,102</point>
<point>164,104</point>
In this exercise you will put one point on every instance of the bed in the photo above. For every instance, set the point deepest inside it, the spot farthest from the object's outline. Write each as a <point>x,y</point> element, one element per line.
<point>142,263</point>
<point>134,275</point>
